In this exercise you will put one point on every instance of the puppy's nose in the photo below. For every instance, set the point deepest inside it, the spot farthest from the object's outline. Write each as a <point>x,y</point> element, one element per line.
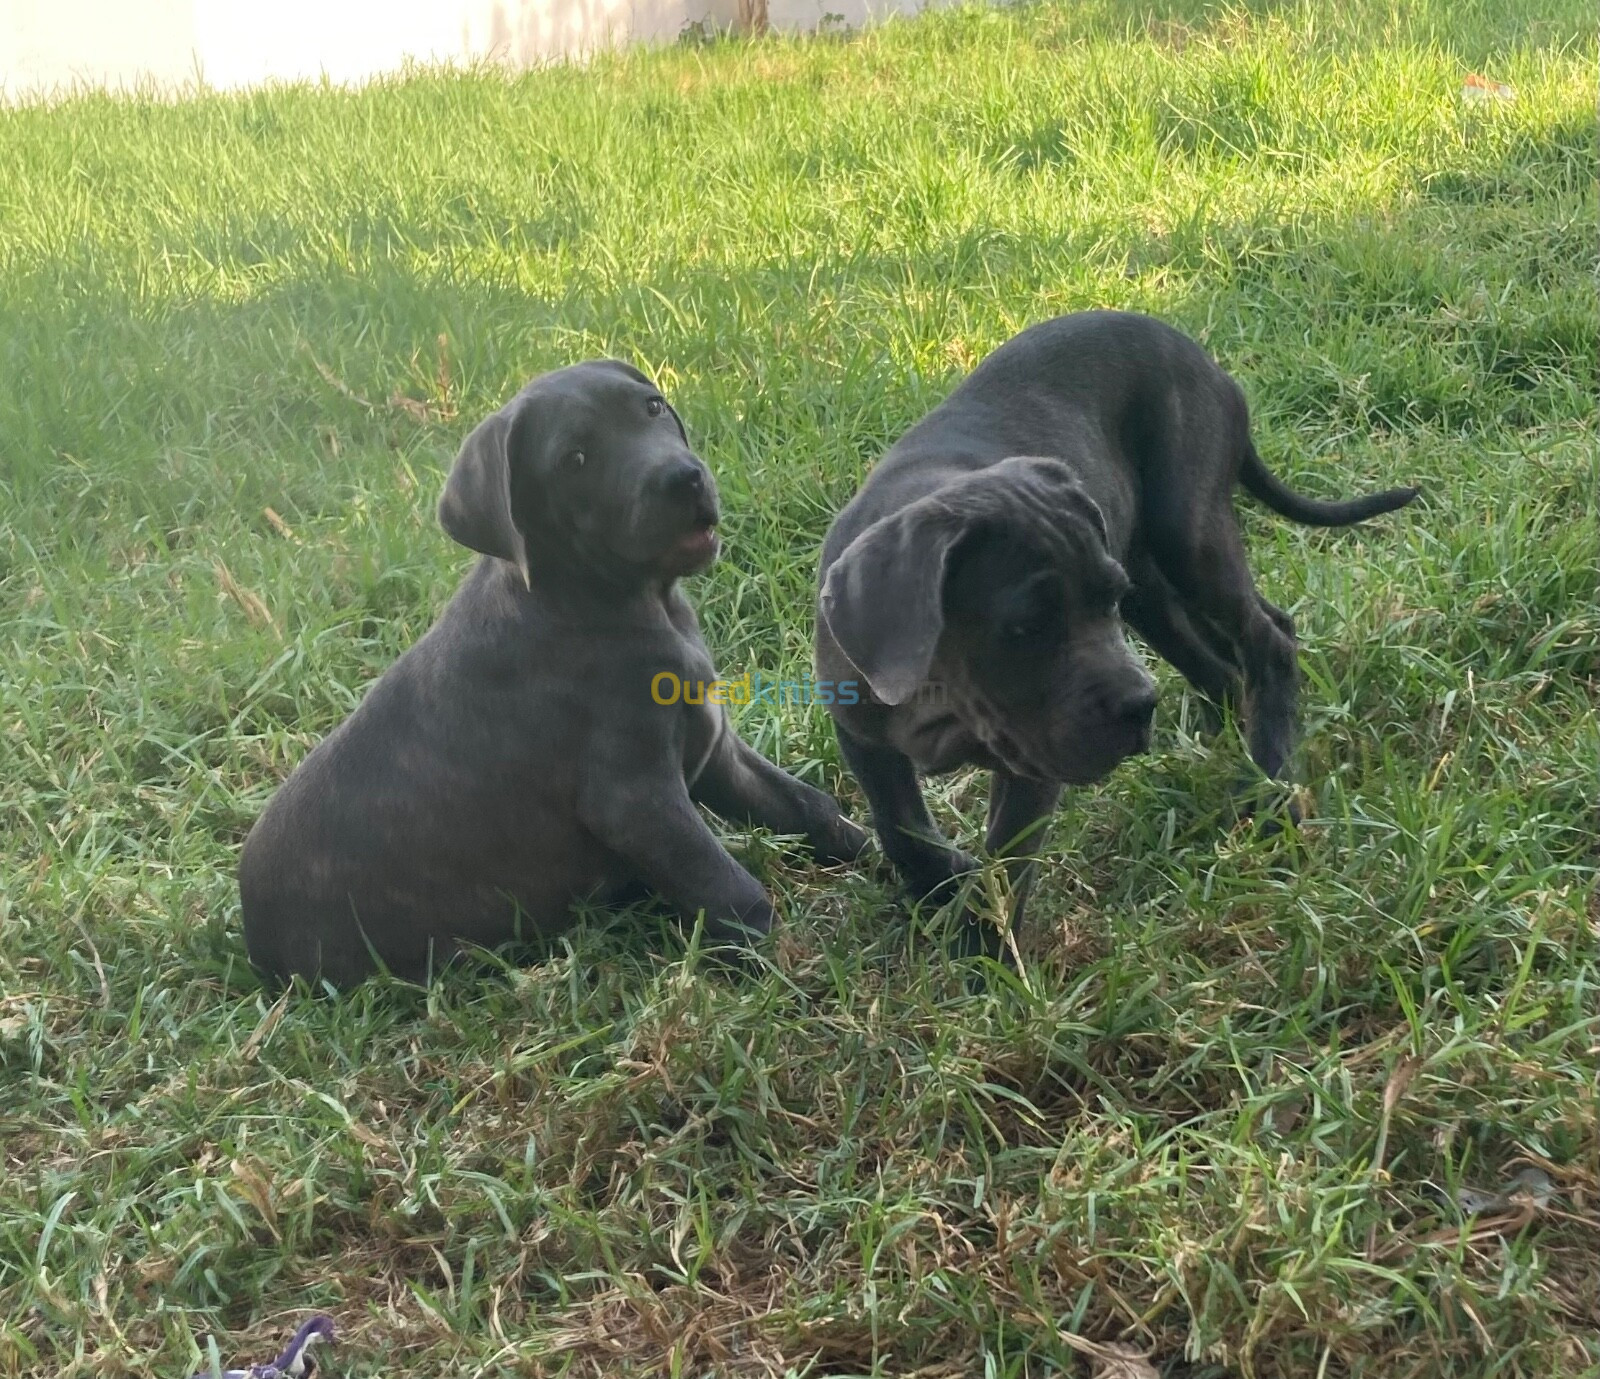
<point>686,479</point>
<point>1137,708</point>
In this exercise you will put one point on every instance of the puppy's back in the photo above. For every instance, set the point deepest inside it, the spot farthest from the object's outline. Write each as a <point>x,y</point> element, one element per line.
<point>1087,368</point>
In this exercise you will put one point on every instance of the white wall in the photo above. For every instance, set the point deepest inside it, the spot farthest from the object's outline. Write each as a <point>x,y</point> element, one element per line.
<point>47,45</point>
<point>44,43</point>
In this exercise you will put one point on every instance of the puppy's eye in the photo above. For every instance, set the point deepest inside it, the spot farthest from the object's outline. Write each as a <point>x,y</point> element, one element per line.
<point>1031,622</point>
<point>655,407</point>
<point>576,458</point>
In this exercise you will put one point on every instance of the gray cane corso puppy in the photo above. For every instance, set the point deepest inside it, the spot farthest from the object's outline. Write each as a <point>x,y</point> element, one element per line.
<point>975,582</point>
<point>519,757</point>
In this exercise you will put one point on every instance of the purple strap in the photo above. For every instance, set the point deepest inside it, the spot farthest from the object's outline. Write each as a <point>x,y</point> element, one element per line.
<point>294,1363</point>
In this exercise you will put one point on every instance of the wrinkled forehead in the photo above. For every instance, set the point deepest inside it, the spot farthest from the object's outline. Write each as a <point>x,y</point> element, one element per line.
<point>991,557</point>
<point>994,558</point>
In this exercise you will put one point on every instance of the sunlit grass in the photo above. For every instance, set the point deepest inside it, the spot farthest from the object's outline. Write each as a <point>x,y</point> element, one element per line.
<point>240,339</point>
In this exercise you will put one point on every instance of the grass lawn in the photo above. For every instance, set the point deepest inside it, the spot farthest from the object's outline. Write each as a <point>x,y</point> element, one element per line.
<point>1227,1116</point>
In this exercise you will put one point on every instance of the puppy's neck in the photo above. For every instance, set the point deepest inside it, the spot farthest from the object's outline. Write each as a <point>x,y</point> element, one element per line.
<point>581,594</point>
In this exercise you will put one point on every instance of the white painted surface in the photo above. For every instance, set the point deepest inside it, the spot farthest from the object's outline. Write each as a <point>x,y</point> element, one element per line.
<point>51,45</point>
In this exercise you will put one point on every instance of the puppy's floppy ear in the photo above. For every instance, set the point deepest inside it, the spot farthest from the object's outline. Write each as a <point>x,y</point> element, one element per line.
<point>883,599</point>
<point>478,507</point>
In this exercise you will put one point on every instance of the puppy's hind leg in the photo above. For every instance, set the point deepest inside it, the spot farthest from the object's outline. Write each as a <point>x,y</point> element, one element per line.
<point>1284,621</point>
<point>1152,609</point>
<point>1192,461</point>
<point>1205,562</point>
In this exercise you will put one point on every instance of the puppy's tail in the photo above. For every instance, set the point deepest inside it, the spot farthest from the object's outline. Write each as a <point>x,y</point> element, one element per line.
<point>1278,496</point>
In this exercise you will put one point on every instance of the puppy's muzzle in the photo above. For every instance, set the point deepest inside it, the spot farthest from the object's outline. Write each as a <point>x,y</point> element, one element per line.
<point>1132,714</point>
<point>1125,711</point>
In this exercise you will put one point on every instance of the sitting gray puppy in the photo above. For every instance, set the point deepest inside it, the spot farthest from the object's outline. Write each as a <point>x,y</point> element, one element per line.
<point>516,759</point>
<point>1085,469</point>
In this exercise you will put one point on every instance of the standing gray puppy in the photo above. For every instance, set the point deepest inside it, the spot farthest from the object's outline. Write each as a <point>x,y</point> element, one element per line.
<point>517,758</point>
<point>1080,478</point>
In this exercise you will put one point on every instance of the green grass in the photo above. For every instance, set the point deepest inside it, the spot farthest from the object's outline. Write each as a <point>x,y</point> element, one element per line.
<point>1176,1132</point>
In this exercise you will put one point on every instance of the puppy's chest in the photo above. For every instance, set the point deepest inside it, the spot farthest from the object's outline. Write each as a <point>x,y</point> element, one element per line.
<point>700,700</point>
<point>706,726</point>
<point>935,738</point>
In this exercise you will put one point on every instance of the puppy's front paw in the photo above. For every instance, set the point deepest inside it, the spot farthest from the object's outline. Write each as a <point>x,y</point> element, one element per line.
<point>1272,805</point>
<point>840,841</point>
<point>935,886</point>
<point>732,944</point>
<point>748,927</point>
<point>1278,813</point>
<point>973,936</point>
